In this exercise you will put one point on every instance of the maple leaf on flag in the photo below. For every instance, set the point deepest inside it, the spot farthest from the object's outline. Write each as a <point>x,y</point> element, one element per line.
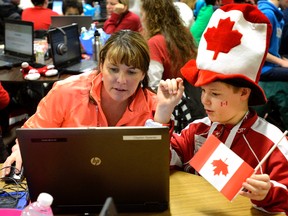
<point>222,38</point>
<point>220,167</point>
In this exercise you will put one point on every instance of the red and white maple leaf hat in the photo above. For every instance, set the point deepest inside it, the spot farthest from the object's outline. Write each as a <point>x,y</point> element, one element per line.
<point>233,48</point>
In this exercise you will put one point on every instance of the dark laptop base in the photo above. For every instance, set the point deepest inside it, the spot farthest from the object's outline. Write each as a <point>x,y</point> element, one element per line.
<point>80,67</point>
<point>149,207</point>
<point>15,62</point>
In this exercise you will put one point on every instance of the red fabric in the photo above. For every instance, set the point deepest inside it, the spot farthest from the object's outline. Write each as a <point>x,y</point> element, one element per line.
<point>41,17</point>
<point>4,97</point>
<point>159,53</point>
<point>223,38</point>
<point>198,77</point>
<point>116,23</point>
<point>224,2</point>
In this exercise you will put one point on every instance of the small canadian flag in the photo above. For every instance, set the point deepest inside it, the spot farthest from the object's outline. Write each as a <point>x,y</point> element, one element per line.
<point>221,167</point>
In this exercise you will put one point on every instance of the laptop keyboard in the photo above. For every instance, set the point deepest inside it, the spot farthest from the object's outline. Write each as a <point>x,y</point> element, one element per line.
<point>83,66</point>
<point>11,59</point>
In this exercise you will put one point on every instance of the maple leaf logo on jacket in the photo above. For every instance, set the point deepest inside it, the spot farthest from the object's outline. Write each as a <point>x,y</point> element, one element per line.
<point>222,38</point>
<point>220,167</point>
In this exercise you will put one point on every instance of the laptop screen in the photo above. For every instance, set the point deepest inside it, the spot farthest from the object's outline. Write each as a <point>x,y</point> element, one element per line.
<point>19,37</point>
<point>57,37</point>
<point>82,167</point>
<point>57,6</point>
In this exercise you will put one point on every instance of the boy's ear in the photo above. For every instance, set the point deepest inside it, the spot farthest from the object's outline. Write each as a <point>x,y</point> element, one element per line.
<point>245,93</point>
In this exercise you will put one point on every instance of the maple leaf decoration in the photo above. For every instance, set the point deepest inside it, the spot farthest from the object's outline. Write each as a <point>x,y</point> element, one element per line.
<point>222,38</point>
<point>220,167</point>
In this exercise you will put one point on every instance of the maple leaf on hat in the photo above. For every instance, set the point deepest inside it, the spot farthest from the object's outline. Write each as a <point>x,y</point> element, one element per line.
<point>220,167</point>
<point>222,38</point>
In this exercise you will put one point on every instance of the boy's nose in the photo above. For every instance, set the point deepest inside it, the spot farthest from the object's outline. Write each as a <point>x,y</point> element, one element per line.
<point>204,99</point>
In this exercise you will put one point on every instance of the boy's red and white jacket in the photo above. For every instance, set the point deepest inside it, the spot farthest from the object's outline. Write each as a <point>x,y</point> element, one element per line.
<point>252,141</point>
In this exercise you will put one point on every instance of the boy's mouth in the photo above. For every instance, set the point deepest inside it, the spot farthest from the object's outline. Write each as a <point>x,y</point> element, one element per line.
<point>208,111</point>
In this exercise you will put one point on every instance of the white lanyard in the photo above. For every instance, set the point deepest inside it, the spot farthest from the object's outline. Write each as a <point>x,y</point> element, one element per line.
<point>232,133</point>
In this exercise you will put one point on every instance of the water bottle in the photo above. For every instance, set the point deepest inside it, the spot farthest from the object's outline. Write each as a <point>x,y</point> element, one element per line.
<point>96,45</point>
<point>88,10</point>
<point>42,207</point>
<point>97,10</point>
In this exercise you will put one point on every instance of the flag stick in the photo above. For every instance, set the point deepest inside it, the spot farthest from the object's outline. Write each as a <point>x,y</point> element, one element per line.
<point>266,156</point>
<point>269,153</point>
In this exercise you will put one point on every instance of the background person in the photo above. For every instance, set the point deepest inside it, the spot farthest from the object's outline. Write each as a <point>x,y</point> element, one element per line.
<point>171,46</point>
<point>203,18</point>
<point>4,101</point>
<point>120,18</point>
<point>9,9</point>
<point>274,75</point>
<point>4,97</point>
<point>40,14</point>
<point>72,7</point>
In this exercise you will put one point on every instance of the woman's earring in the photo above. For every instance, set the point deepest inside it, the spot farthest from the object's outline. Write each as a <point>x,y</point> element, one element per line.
<point>141,84</point>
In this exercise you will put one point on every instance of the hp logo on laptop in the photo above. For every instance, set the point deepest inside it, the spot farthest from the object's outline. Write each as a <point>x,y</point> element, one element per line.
<point>95,161</point>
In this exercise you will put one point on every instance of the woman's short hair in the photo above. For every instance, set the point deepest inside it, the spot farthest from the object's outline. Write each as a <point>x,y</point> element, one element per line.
<point>129,48</point>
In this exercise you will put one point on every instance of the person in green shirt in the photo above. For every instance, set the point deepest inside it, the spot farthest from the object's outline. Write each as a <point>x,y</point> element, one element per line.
<point>203,18</point>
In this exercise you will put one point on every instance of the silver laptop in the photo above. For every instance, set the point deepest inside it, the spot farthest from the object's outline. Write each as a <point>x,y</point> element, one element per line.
<point>82,21</point>
<point>18,43</point>
<point>82,167</point>
<point>68,60</point>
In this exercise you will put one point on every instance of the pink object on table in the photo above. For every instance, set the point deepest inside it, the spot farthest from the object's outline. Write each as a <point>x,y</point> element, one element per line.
<point>10,212</point>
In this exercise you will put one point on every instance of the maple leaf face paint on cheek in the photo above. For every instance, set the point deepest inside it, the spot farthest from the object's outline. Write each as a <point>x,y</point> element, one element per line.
<point>223,103</point>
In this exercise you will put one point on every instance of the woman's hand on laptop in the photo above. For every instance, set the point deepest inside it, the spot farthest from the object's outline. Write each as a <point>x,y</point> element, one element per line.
<point>169,93</point>
<point>14,157</point>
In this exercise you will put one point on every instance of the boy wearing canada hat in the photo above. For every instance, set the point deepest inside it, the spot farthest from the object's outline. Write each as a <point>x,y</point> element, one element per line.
<point>231,53</point>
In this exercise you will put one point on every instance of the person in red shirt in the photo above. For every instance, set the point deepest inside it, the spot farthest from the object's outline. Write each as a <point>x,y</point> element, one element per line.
<point>40,14</point>
<point>4,97</point>
<point>4,101</point>
<point>171,45</point>
<point>120,18</point>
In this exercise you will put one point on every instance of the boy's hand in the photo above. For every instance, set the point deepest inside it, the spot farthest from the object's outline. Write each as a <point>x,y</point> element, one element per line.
<point>169,94</point>
<point>257,186</point>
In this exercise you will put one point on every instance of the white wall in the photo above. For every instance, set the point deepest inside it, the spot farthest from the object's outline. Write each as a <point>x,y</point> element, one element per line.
<point>134,6</point>
<point>25,3</point>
